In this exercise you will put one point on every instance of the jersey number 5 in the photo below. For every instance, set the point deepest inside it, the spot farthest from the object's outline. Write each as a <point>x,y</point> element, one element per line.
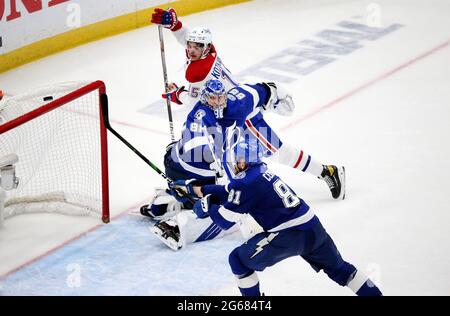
<point>195,92</point>
<point>289,198</point>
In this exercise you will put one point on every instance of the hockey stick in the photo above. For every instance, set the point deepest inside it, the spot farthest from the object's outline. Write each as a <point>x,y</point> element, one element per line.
<point>166,84</point>
<point>104,104</point>
<point>218,166</point>
<point>104,100</point>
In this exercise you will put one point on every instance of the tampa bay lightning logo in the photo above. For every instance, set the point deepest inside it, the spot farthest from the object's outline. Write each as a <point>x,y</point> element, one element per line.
<point>199,114</point>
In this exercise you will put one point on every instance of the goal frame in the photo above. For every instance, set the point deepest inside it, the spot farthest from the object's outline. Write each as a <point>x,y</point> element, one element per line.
<point>42,110</point>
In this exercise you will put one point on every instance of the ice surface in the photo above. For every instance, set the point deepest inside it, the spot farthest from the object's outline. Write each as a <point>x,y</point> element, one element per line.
<point>381,110</point>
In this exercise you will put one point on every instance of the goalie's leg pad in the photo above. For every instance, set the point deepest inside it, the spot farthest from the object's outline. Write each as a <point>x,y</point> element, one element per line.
<point>161,206</point>
<point>185,228</point>
<point>158,209</point>
<point>194,229</point>
<point>169,233</point>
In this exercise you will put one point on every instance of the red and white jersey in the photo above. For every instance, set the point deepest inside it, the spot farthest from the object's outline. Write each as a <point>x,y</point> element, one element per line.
<point>202,70</point>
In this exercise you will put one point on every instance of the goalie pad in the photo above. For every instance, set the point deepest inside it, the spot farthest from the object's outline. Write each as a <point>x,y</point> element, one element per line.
<point>185,228</point>
<point>168,232</point>
<point>162,206</point>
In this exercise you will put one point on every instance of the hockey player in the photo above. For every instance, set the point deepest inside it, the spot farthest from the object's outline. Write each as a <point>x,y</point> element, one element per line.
<point>203,64</point>
<point>194,156</point>
<point>290,226</point>
<point>222,114</point>
<point>193,160</point>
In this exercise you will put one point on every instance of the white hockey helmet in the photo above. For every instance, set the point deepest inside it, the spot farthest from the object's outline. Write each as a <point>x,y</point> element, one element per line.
<point>199,34</point>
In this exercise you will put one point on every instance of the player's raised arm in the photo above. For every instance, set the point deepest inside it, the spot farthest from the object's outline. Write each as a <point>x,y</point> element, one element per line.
<point>279,99</point>
<point>166,18</point>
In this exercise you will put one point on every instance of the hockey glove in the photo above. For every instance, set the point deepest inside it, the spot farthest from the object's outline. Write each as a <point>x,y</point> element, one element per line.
<point>201,207</point>
<point>166,18</point>
<point>174,94</point>
<point>279,101</point>
<point>183,191</point>
<point>185,186</point>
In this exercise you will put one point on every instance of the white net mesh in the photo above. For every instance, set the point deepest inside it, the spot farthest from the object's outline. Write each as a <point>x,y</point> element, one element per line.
<point>59,152</point>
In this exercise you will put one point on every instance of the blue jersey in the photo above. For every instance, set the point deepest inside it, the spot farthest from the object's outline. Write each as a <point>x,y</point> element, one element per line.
<point>263,195</point>
<point>243,101</point>
<point>192,152</point>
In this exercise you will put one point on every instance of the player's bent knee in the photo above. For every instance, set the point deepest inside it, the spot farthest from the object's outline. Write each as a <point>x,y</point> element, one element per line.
<point>342,274</point>
<point>237,266</point>
<point>242,260</point>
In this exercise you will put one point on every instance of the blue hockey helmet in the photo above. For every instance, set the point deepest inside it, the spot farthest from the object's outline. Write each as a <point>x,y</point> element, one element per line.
<point>247,153</point>
<point>214,96</point>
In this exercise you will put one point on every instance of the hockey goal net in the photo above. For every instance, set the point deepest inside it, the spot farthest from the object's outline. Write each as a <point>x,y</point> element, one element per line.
<point>58,134</point>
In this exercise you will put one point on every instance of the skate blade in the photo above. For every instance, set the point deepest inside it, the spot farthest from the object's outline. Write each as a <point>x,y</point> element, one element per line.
<point>169,241</point>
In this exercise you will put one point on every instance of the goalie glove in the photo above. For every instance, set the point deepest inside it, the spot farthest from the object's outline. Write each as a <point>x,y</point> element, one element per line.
<point>166,18</point>
<point>183,185</point>
<point>183,189</point>
<point>280,101</point>
<point>174,94</point>
<point>201,207</point>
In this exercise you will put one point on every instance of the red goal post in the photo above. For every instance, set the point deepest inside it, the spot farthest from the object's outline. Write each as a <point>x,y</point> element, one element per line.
<point>60,138</point>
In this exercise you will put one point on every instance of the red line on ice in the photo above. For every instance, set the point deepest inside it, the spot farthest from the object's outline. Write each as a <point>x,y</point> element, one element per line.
<point>365,86</point>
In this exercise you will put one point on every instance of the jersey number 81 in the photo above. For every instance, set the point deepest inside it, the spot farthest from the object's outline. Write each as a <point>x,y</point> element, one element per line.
<point>289,198</point>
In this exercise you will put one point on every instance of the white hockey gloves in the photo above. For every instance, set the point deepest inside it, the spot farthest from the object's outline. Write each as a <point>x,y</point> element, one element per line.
<point>280,100</point>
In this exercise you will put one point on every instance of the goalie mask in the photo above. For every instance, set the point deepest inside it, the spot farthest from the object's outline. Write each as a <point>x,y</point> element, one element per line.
<point>214,96</point>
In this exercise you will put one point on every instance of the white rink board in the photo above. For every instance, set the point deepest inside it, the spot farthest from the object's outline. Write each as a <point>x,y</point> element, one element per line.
<point>52,20</point>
